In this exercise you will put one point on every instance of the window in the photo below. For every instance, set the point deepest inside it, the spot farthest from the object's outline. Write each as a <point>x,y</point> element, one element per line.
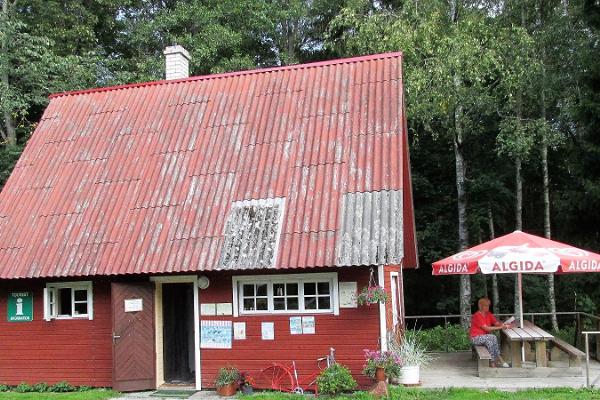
<point>67,300</point>
<point>286,294</point>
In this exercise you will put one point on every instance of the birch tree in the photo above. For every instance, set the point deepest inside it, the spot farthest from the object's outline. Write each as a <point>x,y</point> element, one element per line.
<point>450,57</point>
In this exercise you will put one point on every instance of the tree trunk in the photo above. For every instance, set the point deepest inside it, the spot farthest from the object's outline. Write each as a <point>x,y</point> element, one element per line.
<point>547,234</point>
<point>495,293</point>
<point>463,232</point>
<point>545,176</point>
<point>9,134</point>
<point>518,221</point>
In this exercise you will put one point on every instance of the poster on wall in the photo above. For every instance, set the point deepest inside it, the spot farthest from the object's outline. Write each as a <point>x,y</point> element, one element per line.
<point>224,309</point>
<point>20,307</point>
<point>308,325</point>
<point>348,294</point>
<point>208,309</point>
<point>215,334</point>
<point>239,330</point>
<point>296,325</point>
<point>267,331</point>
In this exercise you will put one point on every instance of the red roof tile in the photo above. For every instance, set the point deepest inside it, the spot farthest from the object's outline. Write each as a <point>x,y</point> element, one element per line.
<point>141,178</point>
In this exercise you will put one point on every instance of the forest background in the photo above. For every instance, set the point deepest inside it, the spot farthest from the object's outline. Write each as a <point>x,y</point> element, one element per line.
<point>503,105</point>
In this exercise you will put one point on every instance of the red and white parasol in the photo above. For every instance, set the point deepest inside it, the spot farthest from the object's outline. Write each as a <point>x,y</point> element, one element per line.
<point>519,253</point>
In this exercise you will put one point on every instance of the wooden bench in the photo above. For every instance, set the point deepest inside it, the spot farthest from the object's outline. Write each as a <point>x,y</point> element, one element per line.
<point>575,355</point>
<point>483,358</point>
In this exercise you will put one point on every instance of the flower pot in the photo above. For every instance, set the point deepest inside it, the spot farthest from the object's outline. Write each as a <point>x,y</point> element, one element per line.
<point>410,375</point>
<point>247,389</point>
<point>380,389</point>
<point>380,374</point>
<point>227,390</point>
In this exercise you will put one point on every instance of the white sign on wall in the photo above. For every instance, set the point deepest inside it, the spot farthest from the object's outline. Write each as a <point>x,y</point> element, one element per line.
<point>308,325</point>
<point>134,305</point>
<point>224,309</point>
<point>348,294</point>
<point>296,325</point>
<point>267,331</point>
<point>239,330</point>
<point>208,309</point>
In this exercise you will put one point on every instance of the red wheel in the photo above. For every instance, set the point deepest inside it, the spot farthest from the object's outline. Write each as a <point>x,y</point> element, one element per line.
<point>280,377</point>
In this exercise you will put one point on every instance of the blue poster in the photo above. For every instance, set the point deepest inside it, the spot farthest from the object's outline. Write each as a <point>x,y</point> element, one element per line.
<point>215,334</point>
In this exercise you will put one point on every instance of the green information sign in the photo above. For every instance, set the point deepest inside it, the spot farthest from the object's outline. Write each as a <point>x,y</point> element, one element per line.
<point>20,307</point>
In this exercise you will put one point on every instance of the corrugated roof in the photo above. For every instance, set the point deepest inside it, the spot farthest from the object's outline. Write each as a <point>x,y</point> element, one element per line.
<point>141,178</point>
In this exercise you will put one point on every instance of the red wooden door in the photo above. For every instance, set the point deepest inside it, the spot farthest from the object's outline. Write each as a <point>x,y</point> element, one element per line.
<point>133,336</point>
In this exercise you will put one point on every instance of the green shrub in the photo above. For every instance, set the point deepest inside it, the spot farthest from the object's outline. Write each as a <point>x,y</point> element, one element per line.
<point>41,387</point>
<point>23,388</point>
<point>84,388</point>
<point>335,379</point>
<point>4,388</point>
<point>61,387</point>
<point>450,338</point>
<point>567,334</point>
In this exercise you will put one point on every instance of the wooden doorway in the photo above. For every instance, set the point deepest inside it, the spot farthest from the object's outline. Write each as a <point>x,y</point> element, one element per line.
<point>178,333</point>
<point>133,336</point>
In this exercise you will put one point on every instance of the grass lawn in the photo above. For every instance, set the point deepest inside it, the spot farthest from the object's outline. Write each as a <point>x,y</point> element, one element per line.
<point>458,394</point>
<point>89,395</point>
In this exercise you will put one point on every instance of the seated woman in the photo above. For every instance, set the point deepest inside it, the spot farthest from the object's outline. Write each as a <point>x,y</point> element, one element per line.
<point>483,323</point>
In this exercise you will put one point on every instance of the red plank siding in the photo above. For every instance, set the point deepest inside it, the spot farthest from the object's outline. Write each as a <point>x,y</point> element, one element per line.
<point>76,351</point>
<point>349,333</point>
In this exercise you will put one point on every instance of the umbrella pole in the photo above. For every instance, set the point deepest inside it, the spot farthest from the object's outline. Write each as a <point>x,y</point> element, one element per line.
<point>520,285</point>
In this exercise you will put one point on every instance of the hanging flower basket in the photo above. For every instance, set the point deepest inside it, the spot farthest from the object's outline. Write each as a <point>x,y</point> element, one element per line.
<point>372,294</point>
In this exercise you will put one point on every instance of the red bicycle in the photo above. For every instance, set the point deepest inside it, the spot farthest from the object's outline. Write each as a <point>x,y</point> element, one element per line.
<point>284,378</point>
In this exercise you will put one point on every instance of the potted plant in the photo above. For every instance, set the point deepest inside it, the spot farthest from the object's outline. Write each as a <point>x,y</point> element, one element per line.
<point>386,362</point>
<point>412,353</point>
<point>227,381</point>
<point>372,294</point>
<point>246,383</point>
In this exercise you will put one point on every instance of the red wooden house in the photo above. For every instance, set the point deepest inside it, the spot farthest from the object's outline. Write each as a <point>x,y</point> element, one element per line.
<point>156,232</point>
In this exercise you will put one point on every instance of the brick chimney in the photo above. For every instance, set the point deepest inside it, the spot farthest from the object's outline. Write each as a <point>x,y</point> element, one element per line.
<point>177,61</point>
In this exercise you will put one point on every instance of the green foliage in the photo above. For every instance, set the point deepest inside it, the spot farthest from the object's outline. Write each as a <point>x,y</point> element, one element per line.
<point>61,387</point>
<point>227,375</point>
<point>401,393</point>
<point>409,349</point>
<point>440,338</point>
<point>98,394</point>
<point>41,387</point>
<point>23,388</point>
<point>567,334</point>
<point>372,295</point>
<point>335,380</point>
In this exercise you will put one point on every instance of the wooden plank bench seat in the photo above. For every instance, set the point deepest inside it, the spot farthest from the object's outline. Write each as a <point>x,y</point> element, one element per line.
<point>483,358</point>
<point>575,355</point>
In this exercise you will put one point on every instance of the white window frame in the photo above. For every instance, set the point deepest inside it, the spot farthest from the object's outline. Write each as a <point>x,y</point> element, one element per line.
<point>51,291</point>
<point>331,277</point>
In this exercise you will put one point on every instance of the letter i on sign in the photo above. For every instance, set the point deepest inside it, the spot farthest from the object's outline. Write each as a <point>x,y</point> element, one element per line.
<point>19,306</point>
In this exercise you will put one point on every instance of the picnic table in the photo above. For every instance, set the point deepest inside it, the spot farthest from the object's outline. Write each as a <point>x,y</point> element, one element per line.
<point>514,338</point>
